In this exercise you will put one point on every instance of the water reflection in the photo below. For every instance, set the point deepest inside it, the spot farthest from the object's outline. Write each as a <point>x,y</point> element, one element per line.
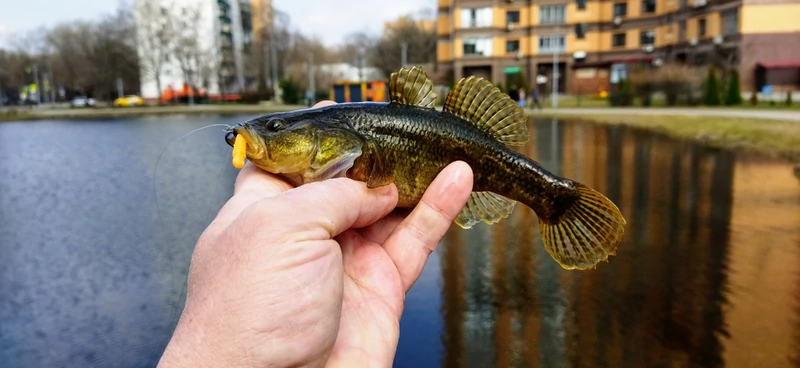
<point>93,271</point>
<point>707,274</point>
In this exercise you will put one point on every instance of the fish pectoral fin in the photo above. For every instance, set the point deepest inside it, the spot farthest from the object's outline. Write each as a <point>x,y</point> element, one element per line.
<point>484,206</point>
<point>411,86</point>
<point>335,167</point>
<point>379,174</point>
<point>480,102</point>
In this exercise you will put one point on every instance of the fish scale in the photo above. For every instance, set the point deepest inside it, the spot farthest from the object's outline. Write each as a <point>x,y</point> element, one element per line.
<point>408,142</point>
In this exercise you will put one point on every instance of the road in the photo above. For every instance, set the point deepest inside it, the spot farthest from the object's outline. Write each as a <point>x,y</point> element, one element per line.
<point>783,115</point>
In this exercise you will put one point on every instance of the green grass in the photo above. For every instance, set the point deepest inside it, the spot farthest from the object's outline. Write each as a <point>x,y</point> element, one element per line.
<point>774,138</point>
<point>593,102</point>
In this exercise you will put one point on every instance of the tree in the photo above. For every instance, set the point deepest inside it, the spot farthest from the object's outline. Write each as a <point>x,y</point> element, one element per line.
<point>155,34</point>
<point>711,96</point>
<point>733,94</point>
<point>421,45</point>
<point>186,47</point>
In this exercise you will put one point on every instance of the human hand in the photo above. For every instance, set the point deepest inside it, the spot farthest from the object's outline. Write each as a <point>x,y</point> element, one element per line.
<point>309,276</point>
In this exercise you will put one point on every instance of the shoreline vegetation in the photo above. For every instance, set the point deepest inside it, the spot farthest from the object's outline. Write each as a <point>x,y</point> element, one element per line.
<point>772,138</point>
<point>769,137</point>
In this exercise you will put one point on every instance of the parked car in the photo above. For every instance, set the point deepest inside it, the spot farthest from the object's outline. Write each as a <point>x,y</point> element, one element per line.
<point>83,101</point>
<point>131,100</point>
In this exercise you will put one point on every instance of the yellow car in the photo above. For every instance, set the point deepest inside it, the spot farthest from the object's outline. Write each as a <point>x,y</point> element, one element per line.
<point>131,100</point>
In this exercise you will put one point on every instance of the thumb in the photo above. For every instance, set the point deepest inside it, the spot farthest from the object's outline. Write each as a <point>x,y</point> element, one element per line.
<point>325,209</point>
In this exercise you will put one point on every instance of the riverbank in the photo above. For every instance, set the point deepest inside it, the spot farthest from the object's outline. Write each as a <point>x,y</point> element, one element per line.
<point>771,133</point>
<point>24,114</point>
<point>775,133</point>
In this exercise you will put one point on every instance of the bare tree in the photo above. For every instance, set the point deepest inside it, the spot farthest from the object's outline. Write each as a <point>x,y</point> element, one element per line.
<point>156,33</point>
<point>186,48</point>
<point>421,46</point>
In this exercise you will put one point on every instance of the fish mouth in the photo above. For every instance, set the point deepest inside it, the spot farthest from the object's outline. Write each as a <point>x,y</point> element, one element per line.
<point>255,147</point>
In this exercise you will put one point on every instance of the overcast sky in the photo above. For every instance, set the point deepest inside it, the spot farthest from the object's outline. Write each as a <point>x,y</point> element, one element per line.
<point>331,20</point>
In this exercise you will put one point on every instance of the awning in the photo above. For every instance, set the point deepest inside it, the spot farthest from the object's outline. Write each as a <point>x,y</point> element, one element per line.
<point>779,64</point>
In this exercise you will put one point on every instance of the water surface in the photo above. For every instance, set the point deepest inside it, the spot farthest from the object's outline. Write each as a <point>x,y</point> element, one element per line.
<point>92,267</point>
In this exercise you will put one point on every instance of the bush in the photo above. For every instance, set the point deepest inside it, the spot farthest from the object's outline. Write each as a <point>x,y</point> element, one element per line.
<point>290,91</point>
<point>674,80</point>
<point>733,95</point>
<point>754,98</point>
<point>711,95</point>
<point>624,94</point>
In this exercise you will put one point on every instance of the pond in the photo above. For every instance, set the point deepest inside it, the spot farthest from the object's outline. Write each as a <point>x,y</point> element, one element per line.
<point>95,243</point>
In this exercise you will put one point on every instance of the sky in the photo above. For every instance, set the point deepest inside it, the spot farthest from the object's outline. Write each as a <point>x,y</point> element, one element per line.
<point>330,20</point>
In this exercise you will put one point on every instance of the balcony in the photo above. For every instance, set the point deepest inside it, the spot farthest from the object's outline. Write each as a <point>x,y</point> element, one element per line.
<point>443,26</point>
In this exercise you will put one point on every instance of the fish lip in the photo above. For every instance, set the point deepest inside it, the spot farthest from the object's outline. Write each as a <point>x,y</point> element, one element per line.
<point>255,146</point>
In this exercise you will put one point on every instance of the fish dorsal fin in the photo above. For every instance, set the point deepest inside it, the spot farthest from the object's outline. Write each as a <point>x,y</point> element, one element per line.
<point>484,206</point>
<point>480,102</point>
<point>411,86</point>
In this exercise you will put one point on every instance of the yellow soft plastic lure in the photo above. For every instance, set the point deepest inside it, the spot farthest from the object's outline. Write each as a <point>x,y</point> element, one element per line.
<point>239,151</point>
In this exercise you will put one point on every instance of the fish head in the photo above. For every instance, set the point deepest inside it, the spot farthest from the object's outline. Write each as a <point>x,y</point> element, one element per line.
<point>307,144</point>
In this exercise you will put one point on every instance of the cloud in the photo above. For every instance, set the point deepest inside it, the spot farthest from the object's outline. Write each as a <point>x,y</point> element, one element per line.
<point>331,21</point>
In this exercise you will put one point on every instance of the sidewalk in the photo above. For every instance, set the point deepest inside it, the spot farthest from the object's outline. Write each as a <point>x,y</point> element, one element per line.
<point>783,115</point>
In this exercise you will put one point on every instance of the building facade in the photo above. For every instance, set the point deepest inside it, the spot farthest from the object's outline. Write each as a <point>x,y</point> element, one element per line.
<point>226,35</point>
<point>593,43</point>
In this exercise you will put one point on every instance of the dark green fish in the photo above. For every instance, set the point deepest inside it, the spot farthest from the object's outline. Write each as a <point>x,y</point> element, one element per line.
<point>408,142</point>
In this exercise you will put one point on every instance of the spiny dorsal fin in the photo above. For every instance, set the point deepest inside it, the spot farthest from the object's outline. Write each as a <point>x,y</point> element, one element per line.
<point>484,206</point>
<point>411,86</point>
<point>480,102</point>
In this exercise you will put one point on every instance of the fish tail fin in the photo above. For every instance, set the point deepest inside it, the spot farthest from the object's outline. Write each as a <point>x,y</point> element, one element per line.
<point>588,231</point>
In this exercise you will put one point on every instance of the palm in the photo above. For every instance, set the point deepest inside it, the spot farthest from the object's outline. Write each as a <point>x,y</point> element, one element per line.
<point>373,294</point>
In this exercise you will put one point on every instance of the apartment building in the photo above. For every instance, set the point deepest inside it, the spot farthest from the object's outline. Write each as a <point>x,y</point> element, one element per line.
<point>227,29</point>
<point>593,43</point>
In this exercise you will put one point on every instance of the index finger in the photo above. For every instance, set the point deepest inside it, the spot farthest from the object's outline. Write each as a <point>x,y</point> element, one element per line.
<point>420,233</point>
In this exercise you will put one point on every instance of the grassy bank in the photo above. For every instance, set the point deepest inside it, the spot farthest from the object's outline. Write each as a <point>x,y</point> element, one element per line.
<point>23,114</point>
<point>774,138</point>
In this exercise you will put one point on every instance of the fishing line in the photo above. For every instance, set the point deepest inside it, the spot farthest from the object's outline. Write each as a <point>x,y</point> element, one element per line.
<point>155,169</point>
<point>178,307</point>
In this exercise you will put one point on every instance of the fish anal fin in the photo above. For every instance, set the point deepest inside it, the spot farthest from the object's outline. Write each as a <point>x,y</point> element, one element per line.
<point>480,102</point>
<point>484,206</point>
<point>588,232</point>
<point>411,86</point>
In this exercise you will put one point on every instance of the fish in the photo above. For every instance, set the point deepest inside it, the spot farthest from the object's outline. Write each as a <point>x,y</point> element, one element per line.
<point>408,141</point>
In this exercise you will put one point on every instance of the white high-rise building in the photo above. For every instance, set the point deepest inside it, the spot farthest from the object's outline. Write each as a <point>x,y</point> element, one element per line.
<point>225,34</point>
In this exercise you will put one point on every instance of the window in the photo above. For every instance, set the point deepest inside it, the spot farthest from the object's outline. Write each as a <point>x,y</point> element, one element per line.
<point>552,14</point>
<point>618,39</point>
<point>730,22</point>
<point>512,45</point>
<point>551,44</point>
<point>682,31</point>
<point>701,27</point>
<point>512,16</point>
<point>476,17</point>
<point>618,71</point>
<point>478,46</point>
<point>580,31</point>
<point>648,6</point>
<point>647,37</point>
<point>620,9</point>
<point>581,4</point>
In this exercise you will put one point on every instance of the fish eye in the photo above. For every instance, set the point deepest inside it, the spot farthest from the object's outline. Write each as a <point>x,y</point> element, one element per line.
<point>275,125</point>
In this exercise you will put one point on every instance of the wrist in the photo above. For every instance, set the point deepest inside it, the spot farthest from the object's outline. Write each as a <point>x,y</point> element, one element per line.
<point>191,346</point>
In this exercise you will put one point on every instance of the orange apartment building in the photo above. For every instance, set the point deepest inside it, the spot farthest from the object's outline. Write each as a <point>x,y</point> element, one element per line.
<point>597,41</point>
